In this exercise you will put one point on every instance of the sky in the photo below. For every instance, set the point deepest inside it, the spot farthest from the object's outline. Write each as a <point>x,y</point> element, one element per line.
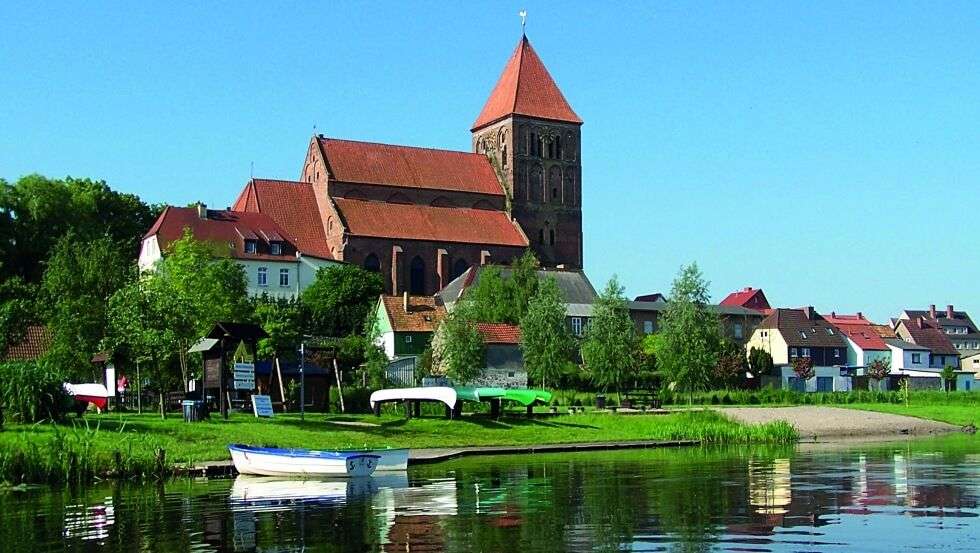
<point>828,152</point>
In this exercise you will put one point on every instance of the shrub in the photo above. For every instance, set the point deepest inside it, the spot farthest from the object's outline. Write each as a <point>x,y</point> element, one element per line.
<point>356,400</point>
<point>30,392</point>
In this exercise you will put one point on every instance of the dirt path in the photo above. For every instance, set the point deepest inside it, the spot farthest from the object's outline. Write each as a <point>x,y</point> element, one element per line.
<point>814,422</point>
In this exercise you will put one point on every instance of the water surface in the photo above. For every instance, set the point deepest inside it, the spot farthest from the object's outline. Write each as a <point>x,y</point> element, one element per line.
<point>916,496</point>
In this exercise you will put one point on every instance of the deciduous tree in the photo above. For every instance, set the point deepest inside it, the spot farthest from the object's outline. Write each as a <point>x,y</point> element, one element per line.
<point>337,302</point>
<point>803,367</point>
<point>731,365</point>
<point>457,346</point>
<point>610,347</point>
<point>546,341</point>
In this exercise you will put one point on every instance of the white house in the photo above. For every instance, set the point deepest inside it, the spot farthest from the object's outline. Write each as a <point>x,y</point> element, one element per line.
<point>906,355</point>
<point>274,262</point>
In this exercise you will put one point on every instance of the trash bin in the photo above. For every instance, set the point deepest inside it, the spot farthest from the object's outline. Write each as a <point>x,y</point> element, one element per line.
<point>195,410</point>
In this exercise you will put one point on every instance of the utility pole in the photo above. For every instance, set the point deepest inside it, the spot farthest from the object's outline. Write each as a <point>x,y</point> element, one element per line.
<point>302,380</point>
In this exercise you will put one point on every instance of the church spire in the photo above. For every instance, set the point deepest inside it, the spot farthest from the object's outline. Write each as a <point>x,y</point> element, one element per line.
<point>525,88</point>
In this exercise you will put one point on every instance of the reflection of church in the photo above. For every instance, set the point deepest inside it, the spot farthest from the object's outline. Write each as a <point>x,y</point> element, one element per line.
<point>423,216</point>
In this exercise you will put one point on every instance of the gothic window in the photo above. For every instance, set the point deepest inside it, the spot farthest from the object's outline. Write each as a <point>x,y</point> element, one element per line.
<point>416,277</point>
<point>522,140</point>
<point>570,194</point>
<point>520,181</point>
<point>540,236</point>
<point>535,144</point>
<point>551,237</point>
<point>459,267</point>
<point>570,147</point>
<point>551,149</point>
<point>372,263</point>
<point>502,140</point>
<point>558,147</point>
<point>536,184</point>
<point>554,182</point>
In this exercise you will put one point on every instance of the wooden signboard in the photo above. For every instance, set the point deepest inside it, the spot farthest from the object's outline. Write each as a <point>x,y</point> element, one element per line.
<point>212,373</point>
<point>262,405</point>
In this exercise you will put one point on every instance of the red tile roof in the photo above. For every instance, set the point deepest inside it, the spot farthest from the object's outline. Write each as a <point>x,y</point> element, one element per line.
<point>859,330</point>
<point>752,298</point>
<point>926,332</point>
<point>406,166</point>
<point>422,222</point>
<point>525,88</point>
<point>423,314</point>
<point>34,344</point>
<point>292,205</point>
<point>227,229</point>
<point>499,333</point>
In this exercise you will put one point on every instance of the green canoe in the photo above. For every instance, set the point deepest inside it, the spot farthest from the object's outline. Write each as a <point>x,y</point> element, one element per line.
<point>479,394</point>
<point>528,397</point>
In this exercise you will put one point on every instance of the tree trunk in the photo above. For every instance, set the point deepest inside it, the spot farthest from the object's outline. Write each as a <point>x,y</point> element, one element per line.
<point>282,389</point>
<point>182,356</point>
<point>163,411</point>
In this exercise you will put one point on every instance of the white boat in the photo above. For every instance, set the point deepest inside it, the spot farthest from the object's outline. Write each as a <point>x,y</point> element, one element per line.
<point>391,460</point>
<point>442,394</point>
<point>268,461</point>
<point>96,394</point>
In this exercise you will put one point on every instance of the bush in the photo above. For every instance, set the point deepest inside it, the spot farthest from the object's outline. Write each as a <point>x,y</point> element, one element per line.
<point>356,400</point>
<point>30,392</point>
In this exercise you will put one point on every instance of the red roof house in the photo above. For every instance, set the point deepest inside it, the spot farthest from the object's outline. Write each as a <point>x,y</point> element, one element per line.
<point>499,333</point>
<point>34,344</point>
<point>748,297</point>
<point>928,333</point>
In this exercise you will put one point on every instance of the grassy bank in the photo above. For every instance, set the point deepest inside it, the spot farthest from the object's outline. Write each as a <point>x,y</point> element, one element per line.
<point>963,413</point>
<point>128,445</point>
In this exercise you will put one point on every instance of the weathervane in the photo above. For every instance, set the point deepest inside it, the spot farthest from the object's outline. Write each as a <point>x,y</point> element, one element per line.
<point>523,14</point>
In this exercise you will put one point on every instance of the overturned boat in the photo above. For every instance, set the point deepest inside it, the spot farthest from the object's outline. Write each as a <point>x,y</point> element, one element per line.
<point>269,461</point>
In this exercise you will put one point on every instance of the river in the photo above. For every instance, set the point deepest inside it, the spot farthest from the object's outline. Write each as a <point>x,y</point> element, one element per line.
<point>912,496</point>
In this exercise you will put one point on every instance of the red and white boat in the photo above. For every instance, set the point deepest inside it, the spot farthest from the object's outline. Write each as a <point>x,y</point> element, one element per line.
<point>96,394</point>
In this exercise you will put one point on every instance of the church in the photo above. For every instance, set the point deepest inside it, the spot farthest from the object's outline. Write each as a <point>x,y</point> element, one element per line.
<point>422,216</point>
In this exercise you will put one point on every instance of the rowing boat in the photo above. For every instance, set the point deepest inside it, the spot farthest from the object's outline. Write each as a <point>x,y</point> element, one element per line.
<point>269,461</point>
<point>442,394</point>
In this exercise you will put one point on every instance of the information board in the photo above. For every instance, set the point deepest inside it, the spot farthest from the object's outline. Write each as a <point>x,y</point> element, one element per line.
<point>212,373</point>
<point>244,376</point>
<point>262,405</point>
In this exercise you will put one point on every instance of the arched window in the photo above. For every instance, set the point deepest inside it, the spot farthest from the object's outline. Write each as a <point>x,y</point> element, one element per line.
<point>551,237</point>
<point>416,284</point>
<point>535,184</point>
<point>534,143</point>
<point>558,146</point>
<point>551,149</point>
<point>554,182</point>
<point>571,197</point>
<point>459,267</point>
<point>372,263</point>
<point>540,236</point>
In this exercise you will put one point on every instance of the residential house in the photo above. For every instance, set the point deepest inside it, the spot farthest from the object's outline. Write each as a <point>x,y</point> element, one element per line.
<point>957,325</point>
<point>656,296</point>
<point>737,323</point>
<point>907,356</point>
<point>971,363</point>
<point>503,359</point>
<point>575,287</point>
<point>789,334</point>
<point>405,323</point>
<point>864,345</point>
<point>277,263</point>
<point>750,298</point>
<point>928,333</point>
<point>33,344</point>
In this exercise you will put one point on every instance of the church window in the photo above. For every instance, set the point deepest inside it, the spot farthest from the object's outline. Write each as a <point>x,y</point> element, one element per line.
<point>558,147</point>
<point>459,267</point>
<point>551,149</point>
<point>554,181</point>
<point>372,263</point>
<point>541,236</point>
<point>503,156</point>
<point>551,238</point>
<point>416,284</point>
<point>554,193</point>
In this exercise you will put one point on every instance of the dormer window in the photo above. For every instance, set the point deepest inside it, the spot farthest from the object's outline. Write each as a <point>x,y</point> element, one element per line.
<point>275,248</point>
<point>803,335</point>
<point>251,246</point>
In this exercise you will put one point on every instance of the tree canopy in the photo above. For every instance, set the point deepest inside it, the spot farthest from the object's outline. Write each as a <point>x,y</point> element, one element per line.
<point>610,347</point>
<point>690,334</point>
<point>499,299</point>
<point>338,301</point>
<point>546,342</point>
<point>457,346</point>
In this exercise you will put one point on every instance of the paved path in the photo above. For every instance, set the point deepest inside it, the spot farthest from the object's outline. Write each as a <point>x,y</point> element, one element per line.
<point>813,422</point>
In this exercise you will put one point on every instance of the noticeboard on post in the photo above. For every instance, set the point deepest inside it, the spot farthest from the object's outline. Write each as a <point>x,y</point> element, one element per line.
<point>244,376</point>
<point>262,406</point>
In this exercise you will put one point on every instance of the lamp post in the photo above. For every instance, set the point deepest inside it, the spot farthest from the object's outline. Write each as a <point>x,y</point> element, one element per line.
<point>302,380</point>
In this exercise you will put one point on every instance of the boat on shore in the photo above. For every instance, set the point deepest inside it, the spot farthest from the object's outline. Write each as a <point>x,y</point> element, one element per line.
<point>441,394</point>
<point>269,461</point>
<point>390,460</point>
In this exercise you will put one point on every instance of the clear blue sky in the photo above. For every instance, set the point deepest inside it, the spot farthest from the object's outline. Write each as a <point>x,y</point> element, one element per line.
<point>827,152</point>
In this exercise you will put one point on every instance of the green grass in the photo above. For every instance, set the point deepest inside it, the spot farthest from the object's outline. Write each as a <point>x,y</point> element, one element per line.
<point>962,414</point>
<point>80,450</point>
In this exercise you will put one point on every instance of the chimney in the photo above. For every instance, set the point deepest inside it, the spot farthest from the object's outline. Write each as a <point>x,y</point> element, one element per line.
<point>949,312</point>
<point>405,301</point>
<point>808,311</point>
<point>747,289</point>
<point>833,314</point>
<point>202,210</point>
<point>932,311</point>
<point>860,315</point>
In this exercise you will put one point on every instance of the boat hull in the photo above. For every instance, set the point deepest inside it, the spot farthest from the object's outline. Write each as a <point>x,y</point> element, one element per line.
<point>390,460</point>
<point>298,462</point>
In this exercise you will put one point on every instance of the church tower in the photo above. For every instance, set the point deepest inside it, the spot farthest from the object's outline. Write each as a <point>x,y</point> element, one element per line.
<point>533,138</point>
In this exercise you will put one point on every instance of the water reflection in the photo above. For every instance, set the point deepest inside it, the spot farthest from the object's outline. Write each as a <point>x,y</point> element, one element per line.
<point>866,498</point>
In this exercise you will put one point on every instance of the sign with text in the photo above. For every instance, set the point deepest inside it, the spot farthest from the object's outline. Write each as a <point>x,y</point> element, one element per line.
<point>244,376</point>
<point>212,373</point>
<point>262,406</point>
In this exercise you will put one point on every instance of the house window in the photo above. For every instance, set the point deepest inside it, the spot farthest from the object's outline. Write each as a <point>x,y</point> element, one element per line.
<point>916,357</point>
<point>262,277</point>
<point>806,352</point>
<point>836,353</point>
<point>408,339</point>
<point>737,331</point>
<point>275,248</point>
<point>283,277</point>
<point>792,352</point>
<point>251,246</point>
<point>648,327</point>
<point>577,326</point>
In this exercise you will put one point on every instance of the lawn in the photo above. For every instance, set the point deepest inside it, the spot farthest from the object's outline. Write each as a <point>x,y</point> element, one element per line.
<point>35,452</point>
<point>959,413</point>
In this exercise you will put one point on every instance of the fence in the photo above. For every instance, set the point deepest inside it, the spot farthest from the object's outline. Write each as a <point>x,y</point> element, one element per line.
<point>401,372</point>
